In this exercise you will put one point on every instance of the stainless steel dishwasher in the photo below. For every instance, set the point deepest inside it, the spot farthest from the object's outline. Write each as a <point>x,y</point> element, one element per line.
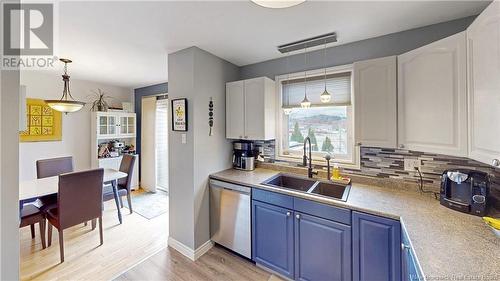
<point>230,216</point>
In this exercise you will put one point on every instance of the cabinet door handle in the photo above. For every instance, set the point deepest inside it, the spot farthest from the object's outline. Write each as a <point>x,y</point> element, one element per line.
<point>405,247</point>
<point>246,137</point>
<point>297,216</point>
<point>359,144</point>
<point>496,162</point>
<point>288,214</point>
<point>401,146</point>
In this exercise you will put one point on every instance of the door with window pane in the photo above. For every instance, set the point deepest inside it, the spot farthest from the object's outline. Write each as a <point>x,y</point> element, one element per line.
<point>162,144</point>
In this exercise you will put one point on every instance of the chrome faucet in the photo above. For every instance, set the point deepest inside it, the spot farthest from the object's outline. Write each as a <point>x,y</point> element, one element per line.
<point>310,171</point>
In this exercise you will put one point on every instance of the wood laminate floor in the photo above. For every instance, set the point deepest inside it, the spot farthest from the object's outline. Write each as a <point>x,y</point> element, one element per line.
<point>217,264</point>
<point>124,246</point>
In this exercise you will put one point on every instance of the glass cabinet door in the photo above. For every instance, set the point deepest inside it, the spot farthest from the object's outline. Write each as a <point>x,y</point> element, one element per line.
<point>111,125</point>
<point>103,125</point>
<point>131,125</point>
<point>106,125</point>
<point>123,125</point>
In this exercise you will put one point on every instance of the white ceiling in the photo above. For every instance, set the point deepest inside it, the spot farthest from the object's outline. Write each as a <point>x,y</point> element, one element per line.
<point>126,43</point>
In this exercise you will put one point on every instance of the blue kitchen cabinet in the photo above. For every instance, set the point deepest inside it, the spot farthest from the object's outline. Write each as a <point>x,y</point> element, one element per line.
<point>376,248</point>
<point>410,270</point>
<point>323,249</point>
<point>273,241</point>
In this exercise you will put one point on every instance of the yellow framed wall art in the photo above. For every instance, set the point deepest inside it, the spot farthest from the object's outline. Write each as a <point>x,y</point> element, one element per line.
<point>43,123</point>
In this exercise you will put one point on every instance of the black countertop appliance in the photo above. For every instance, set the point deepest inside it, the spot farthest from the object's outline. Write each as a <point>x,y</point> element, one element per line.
<point>465,191</point>
<point>243,155</point>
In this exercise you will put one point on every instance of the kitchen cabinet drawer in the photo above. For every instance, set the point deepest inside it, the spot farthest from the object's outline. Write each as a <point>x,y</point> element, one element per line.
<point>323,211</point>
<point>272,198</point>
<point>272,237</point>
<point>376,248</point>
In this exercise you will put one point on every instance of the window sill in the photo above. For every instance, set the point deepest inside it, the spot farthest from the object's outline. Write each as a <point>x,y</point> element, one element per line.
<point>320,161</point>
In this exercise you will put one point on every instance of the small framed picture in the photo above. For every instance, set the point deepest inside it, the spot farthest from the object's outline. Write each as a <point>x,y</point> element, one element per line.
<point>179,115</point>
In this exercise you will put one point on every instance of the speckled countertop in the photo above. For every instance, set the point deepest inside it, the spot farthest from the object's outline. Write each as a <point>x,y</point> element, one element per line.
<point>449,245</point>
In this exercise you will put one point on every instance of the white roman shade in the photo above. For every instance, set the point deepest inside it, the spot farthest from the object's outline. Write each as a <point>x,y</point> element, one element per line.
<point>338,85</point>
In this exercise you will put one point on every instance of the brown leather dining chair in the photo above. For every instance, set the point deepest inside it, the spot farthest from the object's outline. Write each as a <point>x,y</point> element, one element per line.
<point>124,184</point>
<point>49,168</point>
<point>34,213</point>
<point>30,214</point>
<point>54,167</point>
<point>79,199</point>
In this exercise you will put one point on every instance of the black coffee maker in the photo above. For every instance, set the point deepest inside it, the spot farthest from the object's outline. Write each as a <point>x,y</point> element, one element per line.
<point>465,191</point>
<point>244,155</point>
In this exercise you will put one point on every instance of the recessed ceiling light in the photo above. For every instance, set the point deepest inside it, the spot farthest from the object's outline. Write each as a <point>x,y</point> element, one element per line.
<point>278,4</point>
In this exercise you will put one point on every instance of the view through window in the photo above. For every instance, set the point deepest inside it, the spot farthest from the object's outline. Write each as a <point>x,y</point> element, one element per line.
<point>325,126</point>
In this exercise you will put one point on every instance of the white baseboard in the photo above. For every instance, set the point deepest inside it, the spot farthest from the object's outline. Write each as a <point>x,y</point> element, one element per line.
<point>187,251</point>
<point>203,249</point>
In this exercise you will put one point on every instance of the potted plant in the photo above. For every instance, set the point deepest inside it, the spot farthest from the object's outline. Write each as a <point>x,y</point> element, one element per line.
<point>101,101</point>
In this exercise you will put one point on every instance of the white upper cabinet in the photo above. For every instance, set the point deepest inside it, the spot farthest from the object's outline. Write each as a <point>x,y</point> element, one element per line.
<point>235,110</point>
<point>375,102</point>
<point>484,85</point>
<point>432,98</point>
<point>115,124</point>
<point>250,109</point>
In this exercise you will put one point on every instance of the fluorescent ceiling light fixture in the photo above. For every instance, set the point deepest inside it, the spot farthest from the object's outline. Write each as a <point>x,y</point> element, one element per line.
<point>278,4</point>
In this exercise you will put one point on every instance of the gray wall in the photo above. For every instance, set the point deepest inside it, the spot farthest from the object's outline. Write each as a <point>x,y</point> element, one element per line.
<point>9,170</point>
<point>9,175</point>
<point>387,45</point>
<point>196,75</point>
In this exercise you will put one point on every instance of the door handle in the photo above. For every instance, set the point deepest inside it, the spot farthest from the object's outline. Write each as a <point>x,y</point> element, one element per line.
<point>495,162</point>
<point>297,216</point>
<point>288,214</point>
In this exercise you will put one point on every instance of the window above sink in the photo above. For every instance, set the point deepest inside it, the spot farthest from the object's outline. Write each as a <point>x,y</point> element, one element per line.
<point>329,125</point>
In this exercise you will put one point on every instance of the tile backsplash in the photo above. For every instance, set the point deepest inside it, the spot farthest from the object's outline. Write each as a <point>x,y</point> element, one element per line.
<point>389,163</point>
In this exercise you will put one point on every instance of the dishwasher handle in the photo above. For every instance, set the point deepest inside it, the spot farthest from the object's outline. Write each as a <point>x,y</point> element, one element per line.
<point>230,186</point>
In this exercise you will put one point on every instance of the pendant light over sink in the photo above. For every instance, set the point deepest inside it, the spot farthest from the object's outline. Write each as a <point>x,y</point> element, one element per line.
<point>287,110</point>
<point>304,44</point>
<point>67,103</point>
<point>325,97</point>
<point>305,102</point>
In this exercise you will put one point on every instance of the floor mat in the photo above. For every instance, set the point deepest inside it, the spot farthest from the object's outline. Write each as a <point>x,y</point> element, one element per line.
<point>148,204</point>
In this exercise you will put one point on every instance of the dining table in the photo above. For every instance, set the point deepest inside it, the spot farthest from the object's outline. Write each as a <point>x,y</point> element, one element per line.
<point>30,190</point>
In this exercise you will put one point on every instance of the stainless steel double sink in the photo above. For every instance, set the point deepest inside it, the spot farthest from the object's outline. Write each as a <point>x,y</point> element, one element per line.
<point>324,188</point>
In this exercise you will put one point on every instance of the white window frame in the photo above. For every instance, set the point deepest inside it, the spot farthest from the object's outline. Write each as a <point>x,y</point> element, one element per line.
<point>354,163</point>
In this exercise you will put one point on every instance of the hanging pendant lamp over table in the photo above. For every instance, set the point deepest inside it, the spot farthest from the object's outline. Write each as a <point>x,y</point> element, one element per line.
<point>67,103</point>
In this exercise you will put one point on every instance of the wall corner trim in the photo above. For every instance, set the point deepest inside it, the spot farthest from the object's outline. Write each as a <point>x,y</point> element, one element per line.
<point>187,251</point>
